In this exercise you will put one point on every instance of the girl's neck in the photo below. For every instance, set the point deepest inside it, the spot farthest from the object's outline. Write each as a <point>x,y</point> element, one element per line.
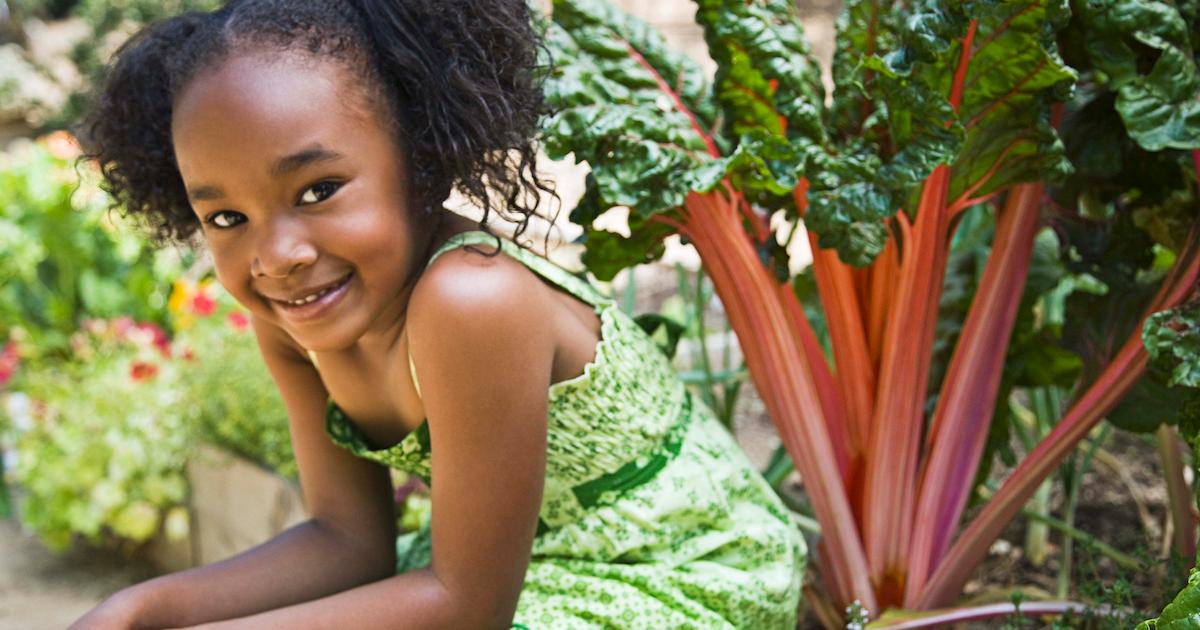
<point>438,228</point>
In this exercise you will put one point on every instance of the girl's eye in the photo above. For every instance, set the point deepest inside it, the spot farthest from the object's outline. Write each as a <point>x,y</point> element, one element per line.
<point>319,192</point>
<point>225,218</point>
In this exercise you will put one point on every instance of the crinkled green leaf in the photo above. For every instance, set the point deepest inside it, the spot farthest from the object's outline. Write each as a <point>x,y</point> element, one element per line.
<point>1014,72</point>
<point>762,165</point>
<point>1172,339</point>
<point>863,28</point>
<point>1113,173</point>
<point>1000,135</point>
<point>765,69</point>
<point>1142,49</point>
<point>850,220</point>
<point>854,191</point>
<point>607,253</point>
<point>1183,613</point>
<point>1149,404</point>
<point>635,110</point>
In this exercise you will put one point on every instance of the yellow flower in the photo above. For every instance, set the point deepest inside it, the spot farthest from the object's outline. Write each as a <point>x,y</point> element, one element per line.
<point>180,294</point>
<point>181,297</point>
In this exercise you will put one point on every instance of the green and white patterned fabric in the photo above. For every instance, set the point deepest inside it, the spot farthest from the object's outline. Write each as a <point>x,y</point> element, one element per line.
<point>652,517</point>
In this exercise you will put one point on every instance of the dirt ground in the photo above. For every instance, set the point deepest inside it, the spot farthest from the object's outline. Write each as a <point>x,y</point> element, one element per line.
<point>41,590</point>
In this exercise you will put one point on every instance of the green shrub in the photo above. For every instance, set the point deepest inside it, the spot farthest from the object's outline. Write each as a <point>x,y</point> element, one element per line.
<point>66,257</point>
<point>100,450</point>
<point>225,394</point>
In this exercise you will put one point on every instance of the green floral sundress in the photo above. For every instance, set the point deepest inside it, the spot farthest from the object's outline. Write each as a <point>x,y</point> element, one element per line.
<point>651,517</point>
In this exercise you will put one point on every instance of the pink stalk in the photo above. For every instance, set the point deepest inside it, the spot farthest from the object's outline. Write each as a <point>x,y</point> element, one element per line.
<point>894,451</point>
<point>1099,399</point>
<point>961,420</point>
<point>892,454</point>
<point>941,618</point>
<point>782,375</point>
<point>856,375</point>
<point>831,402</point>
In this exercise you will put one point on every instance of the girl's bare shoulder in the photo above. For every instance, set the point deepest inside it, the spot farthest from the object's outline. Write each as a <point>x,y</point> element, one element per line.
<point>466,287</point>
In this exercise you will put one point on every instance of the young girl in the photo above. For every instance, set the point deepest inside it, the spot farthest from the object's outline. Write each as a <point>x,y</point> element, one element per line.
<point>575,482</point>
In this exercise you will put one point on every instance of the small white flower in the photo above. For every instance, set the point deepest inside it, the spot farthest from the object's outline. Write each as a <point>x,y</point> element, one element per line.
<point>17,406</point>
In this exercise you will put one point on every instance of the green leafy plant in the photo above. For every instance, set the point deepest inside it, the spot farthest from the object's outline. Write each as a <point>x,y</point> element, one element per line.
<point>106,433</point>
<point>224,393</point>
<point>101,453</point>
<point>941,112</point>
<point>66,257</point>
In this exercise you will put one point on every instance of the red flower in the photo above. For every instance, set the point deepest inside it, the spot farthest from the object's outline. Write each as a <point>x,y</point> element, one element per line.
<point>141,371</point>
<point>9,359</point>
<point>203,305</point>
<point>238,320</point>
<point>158,337</point>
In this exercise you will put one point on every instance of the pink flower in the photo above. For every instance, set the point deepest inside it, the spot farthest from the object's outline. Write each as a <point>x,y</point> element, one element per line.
<point>238,320</point>
<point>121,326</point>
<point>94,326</point>
<point>158,337</point>
<point>203,305</point>
<point>141,371</point>
<point>9,360</point>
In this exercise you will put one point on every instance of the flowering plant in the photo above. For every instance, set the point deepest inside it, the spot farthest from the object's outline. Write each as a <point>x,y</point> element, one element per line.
<point>100,451</point>
<point>226,395</point>
<point>65,257</point>
<point>103,437</point>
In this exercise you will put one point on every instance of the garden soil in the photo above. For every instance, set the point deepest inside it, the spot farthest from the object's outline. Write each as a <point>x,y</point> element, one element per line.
<point>41,590</point>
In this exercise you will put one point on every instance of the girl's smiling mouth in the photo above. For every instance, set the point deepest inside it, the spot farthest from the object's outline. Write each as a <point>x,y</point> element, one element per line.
<point>310,304</point>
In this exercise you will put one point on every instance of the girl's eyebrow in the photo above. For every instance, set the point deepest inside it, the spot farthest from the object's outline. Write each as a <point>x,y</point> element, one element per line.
<point>309,155</point>
<point>287,164</point>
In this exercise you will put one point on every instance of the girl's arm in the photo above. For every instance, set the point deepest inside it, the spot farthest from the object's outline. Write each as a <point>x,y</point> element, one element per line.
<point>484,356</point>
<point>349,541</point>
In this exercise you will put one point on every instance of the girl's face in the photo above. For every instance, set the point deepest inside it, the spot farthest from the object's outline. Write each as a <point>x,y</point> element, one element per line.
<point>302,196</point>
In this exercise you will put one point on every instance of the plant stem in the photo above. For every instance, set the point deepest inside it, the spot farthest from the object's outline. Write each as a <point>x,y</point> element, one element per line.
<point>1125,560</point>
<point>783,373</point>
<point>962,417</point>
<point>1068,545</point>
<point>778,467</point>
<point>1170,452</point>
<point>1096,401</point>
<point>630,292</point>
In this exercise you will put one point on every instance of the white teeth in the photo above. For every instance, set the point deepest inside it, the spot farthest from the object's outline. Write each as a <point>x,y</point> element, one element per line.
<point>306,300</point>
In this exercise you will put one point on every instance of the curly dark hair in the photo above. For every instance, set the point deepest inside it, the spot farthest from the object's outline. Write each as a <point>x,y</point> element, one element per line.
<point>458,80</point>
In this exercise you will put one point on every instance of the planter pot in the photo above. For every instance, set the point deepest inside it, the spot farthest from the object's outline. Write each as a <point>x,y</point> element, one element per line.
<point>235,504</point>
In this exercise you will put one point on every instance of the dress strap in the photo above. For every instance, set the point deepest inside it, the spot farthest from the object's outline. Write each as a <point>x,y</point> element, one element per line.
<point>412,369</point>
<point>568,281</point>
<point>560,277</point>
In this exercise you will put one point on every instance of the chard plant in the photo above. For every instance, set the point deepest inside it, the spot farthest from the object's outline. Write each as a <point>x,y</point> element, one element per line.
<point>1066,128</point>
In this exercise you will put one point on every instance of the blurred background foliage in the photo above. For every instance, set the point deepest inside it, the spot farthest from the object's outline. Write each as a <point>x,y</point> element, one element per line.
<point>44,81</point>
<point>115,357</point>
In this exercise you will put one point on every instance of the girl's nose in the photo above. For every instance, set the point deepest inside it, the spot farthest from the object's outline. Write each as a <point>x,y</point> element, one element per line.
<point>282,252</point>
